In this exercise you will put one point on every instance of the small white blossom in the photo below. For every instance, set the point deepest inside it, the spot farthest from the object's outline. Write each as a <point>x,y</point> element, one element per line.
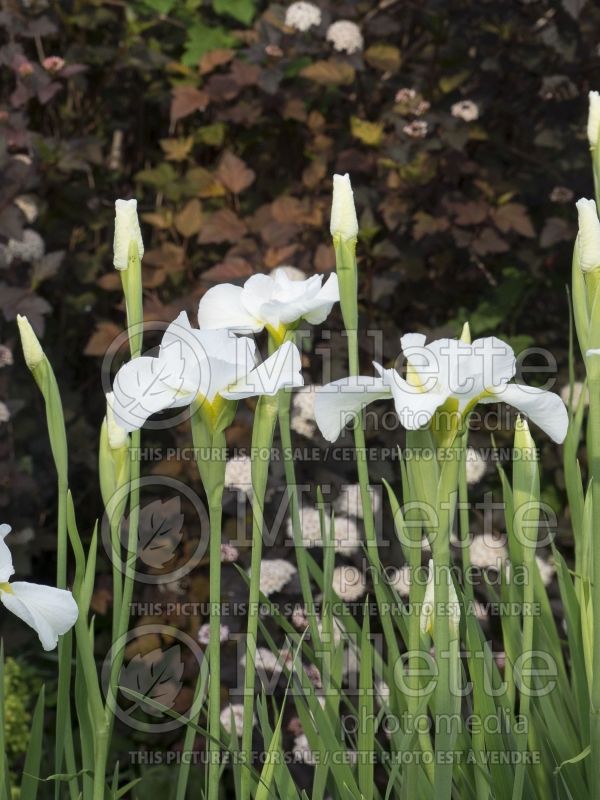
<point>269,662</point>
<point>466,110</point>
<point>275,573</point>
<point>400,580</point>
<point>229,553</point>
<point>235,710</point>
<point>487,552</point>
<point>30,248</point>
<point>475,466</point>
<point>4,412</point>
<point>6,356</point>
<point>302,16</point>
<point>302,752</point>
<point>417,129</point>
<point>547,570</point>
<point>28,205</point>
<point>348,583</point>
<point>238,474</point>
<point>204,633</point>
<point>349,501</point>
<point>345,36</point>
<point>303,411</point>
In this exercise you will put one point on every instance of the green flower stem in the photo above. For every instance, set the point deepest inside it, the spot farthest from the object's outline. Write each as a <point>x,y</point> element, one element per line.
<point>46,381</point>
<point>132,288</point>
<point>347,272</point>
<point>446,728</point>
<point>212,472</point>
<point>526,494</point>
<point>265,418</point>
<point>594,441</point>
<point>285,399</point>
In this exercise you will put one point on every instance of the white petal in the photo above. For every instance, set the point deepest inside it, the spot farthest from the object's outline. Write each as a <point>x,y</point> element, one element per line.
<point>323,303</point>
<point>6,562</point>
<point>282,369</point>
<point>139,391</point>
<point>221,307</point>
<point>414,408</point>
<point>49,611</point>
<point>127,229</point>
<point>257,291</point>
<point>339,402</point>
<point>544,408</point>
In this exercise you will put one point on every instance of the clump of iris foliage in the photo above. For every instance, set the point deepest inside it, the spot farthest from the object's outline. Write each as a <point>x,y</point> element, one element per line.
<point>467,726</point>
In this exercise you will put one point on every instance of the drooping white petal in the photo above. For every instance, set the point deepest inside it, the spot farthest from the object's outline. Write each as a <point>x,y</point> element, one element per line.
<point>140,391</point>
<point>127,229</point>
<point>324,301</point>
<point>283,369</point>
<point>339,402</point>
<point>6,562</point>
<point>343,212</point>
<point>593,123</point>
<point>414,407</point>
<point>222,307</point>
<point>544,408</point>
<point>589,235</point>
<point>49,611</point>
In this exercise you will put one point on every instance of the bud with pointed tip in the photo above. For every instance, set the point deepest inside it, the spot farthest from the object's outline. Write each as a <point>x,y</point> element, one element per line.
<point>117,436</point>
<point>465,335</point>
<point>427,621</point>
<point>343,213</point>
<point>32,349</point>
<point>593,124</point>
<point>589,235</point>
<point>127,230</point>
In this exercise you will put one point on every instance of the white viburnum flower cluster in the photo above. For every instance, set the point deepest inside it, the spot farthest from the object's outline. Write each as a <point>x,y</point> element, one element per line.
<point>238,474</point>
<point>348,583</point>
<point>204,634</point>
<point>349,501</point>
<point>303,411</point>
<point>466,110</point>
<point>302,16</point>
<point>30,248</point>
<point>345,36</point>
<point>275,573</point>
<point>476,466</point>
<point>235,712</point>
<point>488,552</point>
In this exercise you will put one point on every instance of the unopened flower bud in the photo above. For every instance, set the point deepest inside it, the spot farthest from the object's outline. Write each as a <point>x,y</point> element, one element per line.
<point>127,230</point>
<point>343,212</point>
<point>589,235</point>
<point>32,349</point>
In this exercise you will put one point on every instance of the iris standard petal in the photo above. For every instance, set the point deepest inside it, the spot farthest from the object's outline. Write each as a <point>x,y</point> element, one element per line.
<point>49,611</point>
<point>281,370</point>
<point>222,307</point>
<point>413,407</point>
<point>339,402</point>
